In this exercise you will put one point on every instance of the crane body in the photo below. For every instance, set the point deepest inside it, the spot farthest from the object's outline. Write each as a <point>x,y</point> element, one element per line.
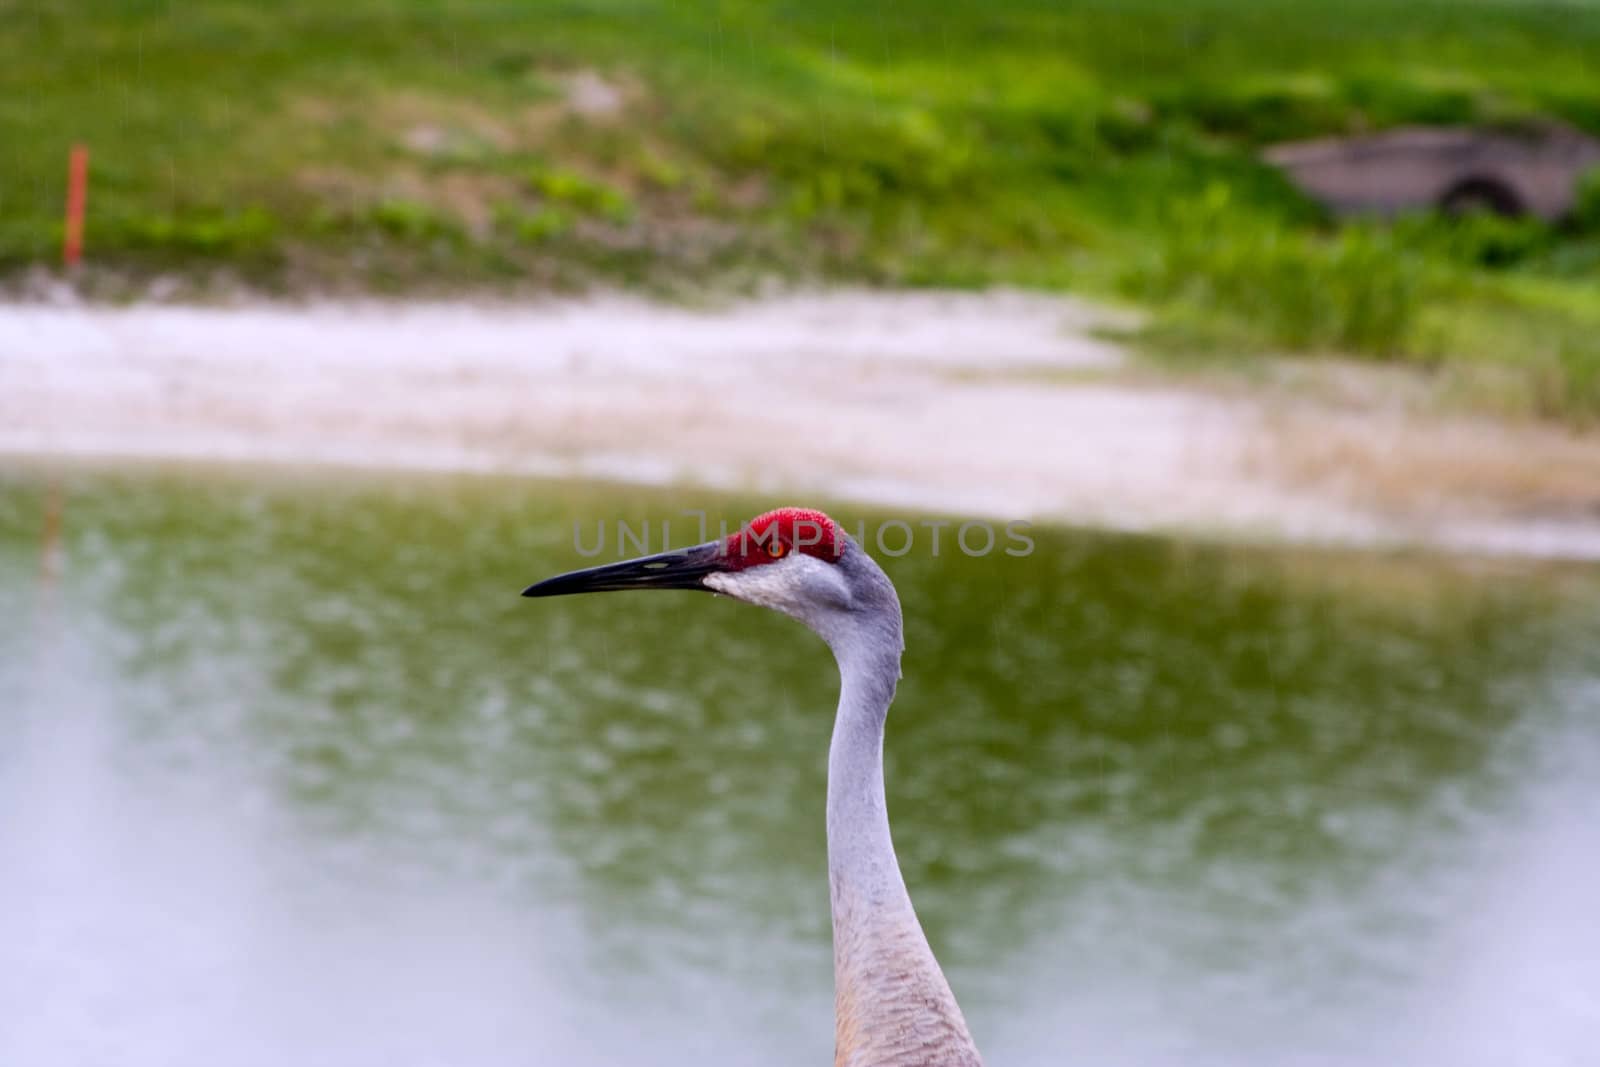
<point>892,1004</point>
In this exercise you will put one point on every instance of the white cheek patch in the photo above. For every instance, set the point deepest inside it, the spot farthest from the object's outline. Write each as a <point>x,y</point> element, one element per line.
<point>769,584</point>
<point>797,585</point>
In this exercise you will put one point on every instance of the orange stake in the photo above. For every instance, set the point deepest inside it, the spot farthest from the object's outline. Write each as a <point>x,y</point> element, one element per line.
<point>77,201</point>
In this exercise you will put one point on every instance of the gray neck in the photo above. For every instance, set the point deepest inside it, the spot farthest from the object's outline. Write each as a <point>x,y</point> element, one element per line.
<point>893,1006</point>
<point>860,851</point>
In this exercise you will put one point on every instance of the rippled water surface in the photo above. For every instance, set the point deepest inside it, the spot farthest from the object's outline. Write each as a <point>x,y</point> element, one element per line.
<point>289,774</point>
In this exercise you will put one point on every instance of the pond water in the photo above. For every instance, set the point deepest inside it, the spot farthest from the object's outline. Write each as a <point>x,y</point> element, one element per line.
<point>290,774</point>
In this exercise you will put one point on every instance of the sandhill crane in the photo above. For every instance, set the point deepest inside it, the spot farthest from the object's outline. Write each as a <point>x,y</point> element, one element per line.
<point>892,1005</point>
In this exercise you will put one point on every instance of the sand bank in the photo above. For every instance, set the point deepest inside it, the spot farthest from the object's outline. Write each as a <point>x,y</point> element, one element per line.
<point>1004,405</point>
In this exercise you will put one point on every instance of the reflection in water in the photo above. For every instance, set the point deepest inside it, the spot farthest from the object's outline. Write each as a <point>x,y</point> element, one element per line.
<point>299,778</point>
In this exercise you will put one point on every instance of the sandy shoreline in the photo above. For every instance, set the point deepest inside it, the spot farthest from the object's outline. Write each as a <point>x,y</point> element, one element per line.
<point>1001,405</point>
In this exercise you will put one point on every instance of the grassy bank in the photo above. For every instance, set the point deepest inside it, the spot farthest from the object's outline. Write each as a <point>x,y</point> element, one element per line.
<point>1102,146</point>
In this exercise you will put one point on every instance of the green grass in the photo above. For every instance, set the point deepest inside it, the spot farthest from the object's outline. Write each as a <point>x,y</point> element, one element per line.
<point>1102,145</point>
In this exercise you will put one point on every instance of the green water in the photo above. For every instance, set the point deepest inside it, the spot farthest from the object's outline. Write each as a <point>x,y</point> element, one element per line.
<point>291,774</point>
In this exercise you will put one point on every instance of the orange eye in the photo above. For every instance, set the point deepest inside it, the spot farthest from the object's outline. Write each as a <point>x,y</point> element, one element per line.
<point>777,550</point>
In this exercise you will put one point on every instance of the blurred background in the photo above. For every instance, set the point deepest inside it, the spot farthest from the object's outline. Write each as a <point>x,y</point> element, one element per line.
<point>324,329</point>
<point>1113,148</point>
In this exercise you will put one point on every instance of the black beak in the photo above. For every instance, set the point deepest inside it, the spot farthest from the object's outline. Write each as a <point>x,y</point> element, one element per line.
<point>680,569</point>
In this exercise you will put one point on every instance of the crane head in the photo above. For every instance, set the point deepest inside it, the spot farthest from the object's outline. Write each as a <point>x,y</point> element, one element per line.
<point>785,559</point>
<point>793,560</point>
